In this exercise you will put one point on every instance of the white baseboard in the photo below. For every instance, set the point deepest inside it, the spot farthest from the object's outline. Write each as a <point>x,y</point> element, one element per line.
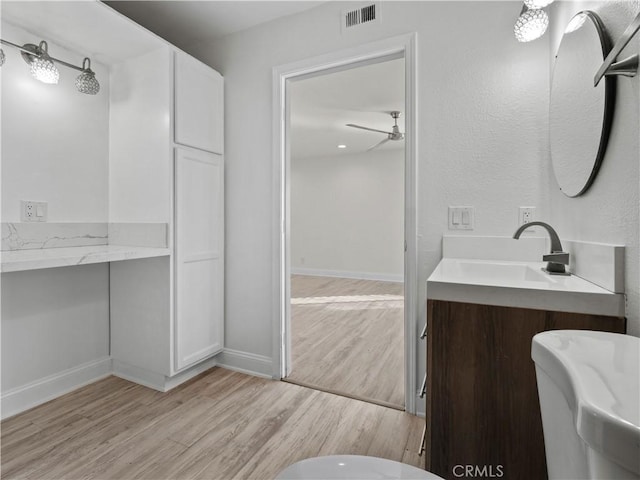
<point>139,375</point>
<point>382,277</point>
<point>41,391</point>
<point>158,381</point>
<point>243,362</point>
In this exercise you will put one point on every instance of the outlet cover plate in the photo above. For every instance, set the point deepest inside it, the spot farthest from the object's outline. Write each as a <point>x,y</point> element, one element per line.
<point>526,215</point>
<point>33,211</point>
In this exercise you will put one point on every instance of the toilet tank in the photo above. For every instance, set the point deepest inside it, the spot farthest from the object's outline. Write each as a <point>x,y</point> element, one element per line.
<point>589,389</point>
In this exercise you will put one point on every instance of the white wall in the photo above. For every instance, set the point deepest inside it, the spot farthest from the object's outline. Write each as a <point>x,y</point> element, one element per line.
<point>53,320</point>
<point>141,165</point>
<point>482,112</point>
<point>610,210</point>
<point>54,149</point>
<point>54,139</point>
<point>347,215</point>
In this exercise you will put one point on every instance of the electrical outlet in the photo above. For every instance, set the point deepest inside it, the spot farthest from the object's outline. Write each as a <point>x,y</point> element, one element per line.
<point>33,211</point>
<point>526,215</point>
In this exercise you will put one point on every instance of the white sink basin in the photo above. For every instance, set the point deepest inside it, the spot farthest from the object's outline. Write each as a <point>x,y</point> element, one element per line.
<point>504,272</point>
<point>519,284</point>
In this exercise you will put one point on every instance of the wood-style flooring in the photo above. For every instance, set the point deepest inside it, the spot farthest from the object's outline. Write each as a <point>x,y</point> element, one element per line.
<point>220,425</point>
<point>348,337</point>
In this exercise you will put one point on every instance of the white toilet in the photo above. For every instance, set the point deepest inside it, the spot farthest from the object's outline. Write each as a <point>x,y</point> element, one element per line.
<point>589,388</point>
<point>334,467</point>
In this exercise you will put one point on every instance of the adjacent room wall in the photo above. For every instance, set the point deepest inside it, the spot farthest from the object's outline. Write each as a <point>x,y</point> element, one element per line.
<point>609,212</point>
<point>347,215</point>
<point>482,112</point>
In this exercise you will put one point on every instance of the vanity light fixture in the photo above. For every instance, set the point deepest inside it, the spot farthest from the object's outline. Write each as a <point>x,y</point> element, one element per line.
<point>533,21</point>
<point>43,66</point>
<point>86,81</point>
<point>531,24</point>
<point>535,4</point>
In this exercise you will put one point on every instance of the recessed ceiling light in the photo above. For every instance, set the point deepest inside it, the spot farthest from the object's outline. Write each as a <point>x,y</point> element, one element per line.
<point>342,146</point>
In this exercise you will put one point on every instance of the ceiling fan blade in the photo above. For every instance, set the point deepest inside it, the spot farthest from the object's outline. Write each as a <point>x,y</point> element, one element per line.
<point>377,144</point>
<point>367,128</point>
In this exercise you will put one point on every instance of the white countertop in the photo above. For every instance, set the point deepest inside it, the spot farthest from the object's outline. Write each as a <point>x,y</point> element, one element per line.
<point>34,259</point>
<point>519,284</point>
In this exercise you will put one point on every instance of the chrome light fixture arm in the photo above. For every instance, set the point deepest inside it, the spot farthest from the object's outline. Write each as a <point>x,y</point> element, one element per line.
<point>30,49</point>
<point>627,67</point>
<point>31,53</point>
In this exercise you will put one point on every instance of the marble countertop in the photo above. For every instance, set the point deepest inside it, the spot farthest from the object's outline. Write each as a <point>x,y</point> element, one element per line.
<point>519,284</point>
<point>34,259</point>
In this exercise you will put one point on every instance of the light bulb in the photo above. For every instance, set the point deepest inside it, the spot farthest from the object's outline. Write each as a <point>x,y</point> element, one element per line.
<point>43,69</point>
<point>40,63</point>
<point>531,25</point>
<point>534,4</point>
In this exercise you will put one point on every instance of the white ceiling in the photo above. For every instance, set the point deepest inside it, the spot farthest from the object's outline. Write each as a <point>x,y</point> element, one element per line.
<point>322,106</point>
<point>186,22</point>
<point>81,26</point>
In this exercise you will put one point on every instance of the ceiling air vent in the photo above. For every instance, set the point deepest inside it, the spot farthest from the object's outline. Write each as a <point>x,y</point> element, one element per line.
<point>360,16</point>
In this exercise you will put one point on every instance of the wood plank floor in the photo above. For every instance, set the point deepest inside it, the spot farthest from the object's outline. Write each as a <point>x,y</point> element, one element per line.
<point>348,337</point>
<point>220,425</point>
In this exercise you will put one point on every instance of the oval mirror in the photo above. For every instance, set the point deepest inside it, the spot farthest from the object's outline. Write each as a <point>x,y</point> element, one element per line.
<point>579,113</point>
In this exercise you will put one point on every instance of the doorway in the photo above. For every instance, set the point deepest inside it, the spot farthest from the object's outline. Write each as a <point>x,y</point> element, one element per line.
<point>346,197</point>
<point>284,77</point>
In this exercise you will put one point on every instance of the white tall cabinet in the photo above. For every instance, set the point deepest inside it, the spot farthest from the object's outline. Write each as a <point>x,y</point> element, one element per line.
<point>167,315</point>
<point>199,264</point>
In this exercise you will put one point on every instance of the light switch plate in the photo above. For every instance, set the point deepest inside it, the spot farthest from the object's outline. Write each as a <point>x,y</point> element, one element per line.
<point>461,218</point>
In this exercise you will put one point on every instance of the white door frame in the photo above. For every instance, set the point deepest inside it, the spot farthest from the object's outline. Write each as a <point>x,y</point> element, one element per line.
<point>281,315</point>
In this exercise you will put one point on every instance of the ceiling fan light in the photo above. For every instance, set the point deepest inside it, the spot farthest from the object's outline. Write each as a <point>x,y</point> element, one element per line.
<point>531,25</point>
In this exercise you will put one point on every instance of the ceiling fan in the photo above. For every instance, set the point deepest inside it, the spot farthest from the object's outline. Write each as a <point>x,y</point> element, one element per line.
<point>395,133</point>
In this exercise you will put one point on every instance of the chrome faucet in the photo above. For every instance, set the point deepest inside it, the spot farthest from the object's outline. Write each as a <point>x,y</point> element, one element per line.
<point>557,259</point>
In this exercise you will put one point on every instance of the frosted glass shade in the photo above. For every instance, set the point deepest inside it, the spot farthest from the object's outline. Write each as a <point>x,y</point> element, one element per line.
<point>534,4</point>
<point>43,69</point>
<point>87,83</point>
<point>531,25</point>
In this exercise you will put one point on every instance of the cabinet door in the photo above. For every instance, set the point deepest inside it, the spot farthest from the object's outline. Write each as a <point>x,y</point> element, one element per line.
<point>199,101</point>
<point>199,263</point>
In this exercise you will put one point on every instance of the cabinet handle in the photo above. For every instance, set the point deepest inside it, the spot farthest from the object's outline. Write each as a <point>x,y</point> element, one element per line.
<point>423,389</point>
<point>424,332</point>
<point>424,439</point>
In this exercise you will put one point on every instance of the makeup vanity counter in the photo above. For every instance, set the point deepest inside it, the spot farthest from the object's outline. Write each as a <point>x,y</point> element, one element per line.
<point>20,260</point>
<point>34,246</point>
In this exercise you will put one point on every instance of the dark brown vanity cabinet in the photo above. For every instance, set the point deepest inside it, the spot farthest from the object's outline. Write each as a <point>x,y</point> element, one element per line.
<point>483,414</point>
